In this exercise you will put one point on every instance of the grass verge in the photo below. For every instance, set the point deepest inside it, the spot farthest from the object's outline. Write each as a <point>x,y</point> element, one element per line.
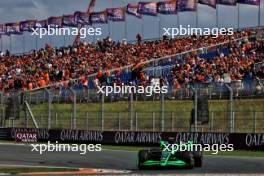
<point>12,170</point>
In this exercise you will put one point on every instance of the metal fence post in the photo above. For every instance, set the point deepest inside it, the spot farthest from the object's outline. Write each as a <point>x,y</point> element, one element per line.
<point>2,98</point>
<point>233,122</point>
<point>71,121</point>
<point>172,121</point>
<point>255,122</point>
<point>162,111</point>
<point>56,120</point>
<point>26,117</point>
<point>49,108</point>
<point>87,121</point>
<point>102,112</point>
<point>131,111</point>
<point>2,109</point>
<point>195,109</point>
<point>210,92</point>
<point>212,122</point>
<point>30,98</point>
<point>2,122</point>
<point>119,122</point>
<point>231,116</point>
<point>153,121</point>
<point>88,95</point>
<point>74,108</point>
<point>136,116</point>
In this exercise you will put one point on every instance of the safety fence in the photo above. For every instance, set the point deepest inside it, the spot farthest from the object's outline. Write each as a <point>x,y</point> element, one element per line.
<point>228,110</point>
<point>250,122</point>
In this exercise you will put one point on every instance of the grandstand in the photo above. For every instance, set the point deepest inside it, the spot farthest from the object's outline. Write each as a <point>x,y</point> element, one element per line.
<point>222,69</point>
<point>49,66</point>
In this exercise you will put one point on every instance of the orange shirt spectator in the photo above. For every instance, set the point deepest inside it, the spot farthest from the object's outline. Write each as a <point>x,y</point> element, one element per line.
<point>42,83</point>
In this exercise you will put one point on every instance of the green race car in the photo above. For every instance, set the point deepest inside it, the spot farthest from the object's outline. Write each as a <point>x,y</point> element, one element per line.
<point>168,155</point>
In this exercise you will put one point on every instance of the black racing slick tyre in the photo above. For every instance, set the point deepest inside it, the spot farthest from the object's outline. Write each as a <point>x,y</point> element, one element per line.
<point>142,157</point>
<point>198,158</point>
<point>188,158</point>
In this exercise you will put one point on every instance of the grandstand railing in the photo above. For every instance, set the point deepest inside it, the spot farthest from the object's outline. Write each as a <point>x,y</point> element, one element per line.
<point>217,91</point>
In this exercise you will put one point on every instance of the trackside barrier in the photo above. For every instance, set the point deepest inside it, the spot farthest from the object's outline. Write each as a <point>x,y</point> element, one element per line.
<point>248,141</point>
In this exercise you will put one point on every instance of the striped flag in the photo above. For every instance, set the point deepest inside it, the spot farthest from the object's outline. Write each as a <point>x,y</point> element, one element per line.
<point>187,5</point>
<point>147,8</point>
<point>249,2</point>
<point>227,2</point>
<point>211,3</point>
<point>116,14</point>
<point>69,20</point>
<point>13,28</point>
<point>55,21</point>
<point>132,9</point>
<point>99,17</point>
<point>27,25</point>
<point>167,7</point>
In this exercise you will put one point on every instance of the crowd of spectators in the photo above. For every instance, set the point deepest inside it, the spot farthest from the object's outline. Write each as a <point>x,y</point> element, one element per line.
<point>237,65</point>
<point>49,66</point>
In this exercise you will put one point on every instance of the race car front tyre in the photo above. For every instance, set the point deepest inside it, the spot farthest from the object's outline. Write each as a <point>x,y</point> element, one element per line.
<point>142,157</point>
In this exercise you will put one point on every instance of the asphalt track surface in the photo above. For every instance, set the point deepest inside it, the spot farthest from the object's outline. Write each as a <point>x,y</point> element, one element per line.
<point>123,160</point>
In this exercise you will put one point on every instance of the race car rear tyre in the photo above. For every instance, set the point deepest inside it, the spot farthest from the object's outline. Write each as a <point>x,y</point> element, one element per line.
<point>188,158</point>
<point>142,157</point>
<point>198,162</point>
<point>198,158</point>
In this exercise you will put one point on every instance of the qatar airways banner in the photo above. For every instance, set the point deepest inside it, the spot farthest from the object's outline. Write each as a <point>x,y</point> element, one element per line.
<point>167,7</point>
<point>147,8</point>
<point>211,3</point>
<point>186,5</point>
<point>250,141</point>
<point>26,137</point>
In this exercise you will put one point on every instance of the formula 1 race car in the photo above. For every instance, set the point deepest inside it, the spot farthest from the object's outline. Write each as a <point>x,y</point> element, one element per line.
<point>168,155</point>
